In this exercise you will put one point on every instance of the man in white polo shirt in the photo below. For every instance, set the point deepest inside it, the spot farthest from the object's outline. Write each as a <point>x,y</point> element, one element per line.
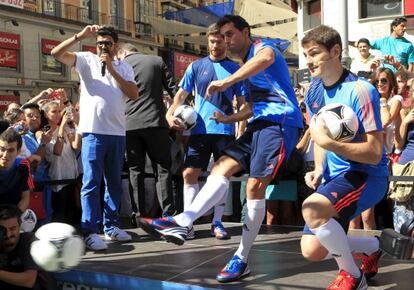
<point>105,84</point>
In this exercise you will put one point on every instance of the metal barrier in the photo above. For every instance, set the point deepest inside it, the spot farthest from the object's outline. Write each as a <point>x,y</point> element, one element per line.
<point>201,178</point>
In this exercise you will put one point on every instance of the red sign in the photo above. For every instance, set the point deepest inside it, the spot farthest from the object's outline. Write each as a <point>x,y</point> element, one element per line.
<point>48,45</point>
<point>181,62</point>
<point>89,48</point>
<point>408,8</point>
<point>8,58</point>
<point>9,40</point>
<point>6,100</point>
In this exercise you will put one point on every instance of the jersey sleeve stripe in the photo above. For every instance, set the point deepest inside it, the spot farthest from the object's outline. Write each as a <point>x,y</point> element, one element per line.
<point>366,106</point>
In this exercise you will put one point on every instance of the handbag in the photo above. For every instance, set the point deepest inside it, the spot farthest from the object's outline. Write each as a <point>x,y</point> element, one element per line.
<point>402,191</point>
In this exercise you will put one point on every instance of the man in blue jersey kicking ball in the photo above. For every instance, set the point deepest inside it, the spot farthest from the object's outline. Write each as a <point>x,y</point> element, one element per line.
<point>271,135</point>
<point>215,127</point>
<point>348,177</point>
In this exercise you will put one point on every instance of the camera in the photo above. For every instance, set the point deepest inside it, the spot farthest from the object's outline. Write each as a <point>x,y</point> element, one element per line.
<point>399,245</point>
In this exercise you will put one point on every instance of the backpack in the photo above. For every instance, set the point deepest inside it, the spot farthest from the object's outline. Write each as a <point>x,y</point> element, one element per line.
<point>402,191</point>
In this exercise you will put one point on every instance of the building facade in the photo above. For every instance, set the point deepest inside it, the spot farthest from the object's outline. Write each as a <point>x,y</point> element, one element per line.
<point>364,18</point>
<point>29,30</point>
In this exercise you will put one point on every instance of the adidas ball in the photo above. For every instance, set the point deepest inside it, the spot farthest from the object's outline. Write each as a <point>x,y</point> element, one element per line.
<point>57,248</point>
<point>340,120</point>
<point>187,116</point>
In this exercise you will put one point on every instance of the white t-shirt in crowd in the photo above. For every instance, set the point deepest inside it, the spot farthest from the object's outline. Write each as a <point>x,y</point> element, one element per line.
<point>359,64</point>
<point>390,130</point>
<point>102,103</point>
<point>64,166</point>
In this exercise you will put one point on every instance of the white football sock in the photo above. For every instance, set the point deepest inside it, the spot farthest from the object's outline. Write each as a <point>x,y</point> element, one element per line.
<point>212,192</point>
<point>333,237</point>
<point>360,245</point>
<point>364,245</point>
<point>219,209</point>
<point>189,193</point>
<point>256,209</point>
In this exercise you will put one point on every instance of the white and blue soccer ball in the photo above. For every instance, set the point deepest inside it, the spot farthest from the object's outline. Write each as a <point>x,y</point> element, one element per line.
<point>57,248</point>
<point>186,115</point>
<point>341,121</point>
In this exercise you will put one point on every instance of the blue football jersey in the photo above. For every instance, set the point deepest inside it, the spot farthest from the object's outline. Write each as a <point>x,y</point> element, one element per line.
<point>197,77</point>
<point>363,98</point>
<point>271,90</point>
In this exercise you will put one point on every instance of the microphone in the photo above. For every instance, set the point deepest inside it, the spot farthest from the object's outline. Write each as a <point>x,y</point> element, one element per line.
<point>103,63</point>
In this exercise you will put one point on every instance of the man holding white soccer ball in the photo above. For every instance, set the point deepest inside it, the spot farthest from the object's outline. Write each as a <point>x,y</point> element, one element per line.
<point>351,171</point>
<point>17,268</point>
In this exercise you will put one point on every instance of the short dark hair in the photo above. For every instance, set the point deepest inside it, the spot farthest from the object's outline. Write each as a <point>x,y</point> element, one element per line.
<point>10,136</point>
<point>8,211</point>
<point>109,31</point>
<point>363,40</point>
<point>397,21</point>
<point>213,29</point>
<point>239,22</point>
<point>323,35</point>
<point>126,46</point>
<point>30,106</point>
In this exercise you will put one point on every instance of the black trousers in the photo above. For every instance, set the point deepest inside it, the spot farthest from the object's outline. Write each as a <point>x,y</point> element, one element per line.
<point>156,143</point>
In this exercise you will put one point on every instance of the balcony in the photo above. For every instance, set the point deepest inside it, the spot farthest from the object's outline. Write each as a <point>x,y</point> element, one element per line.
<point>75,14</point>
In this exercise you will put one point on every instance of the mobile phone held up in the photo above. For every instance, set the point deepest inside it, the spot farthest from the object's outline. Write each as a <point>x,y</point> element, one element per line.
<point>54,95</point>
<point>46,127</point>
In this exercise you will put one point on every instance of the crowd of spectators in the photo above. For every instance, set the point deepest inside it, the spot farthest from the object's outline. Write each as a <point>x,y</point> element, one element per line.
<point>47,138</point>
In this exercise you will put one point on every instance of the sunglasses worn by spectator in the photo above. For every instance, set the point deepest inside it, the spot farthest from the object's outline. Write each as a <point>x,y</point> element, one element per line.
<point>31,116</point>
<point>104,43</point>
<point>381,81</point>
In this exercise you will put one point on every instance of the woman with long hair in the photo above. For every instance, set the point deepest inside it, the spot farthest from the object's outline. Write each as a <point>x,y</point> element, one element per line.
<point>60,153</point>
<point>391,104</point>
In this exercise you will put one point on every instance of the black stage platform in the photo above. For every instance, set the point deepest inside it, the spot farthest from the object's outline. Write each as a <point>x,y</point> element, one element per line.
<point>275,263</point>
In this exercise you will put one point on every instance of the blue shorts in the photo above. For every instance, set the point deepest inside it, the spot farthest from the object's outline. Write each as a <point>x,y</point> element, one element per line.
<point>263,148</point>
<point>200,147</point>
<point>351,193</point>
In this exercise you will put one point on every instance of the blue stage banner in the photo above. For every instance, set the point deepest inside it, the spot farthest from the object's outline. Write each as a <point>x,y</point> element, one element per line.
<point>83,280</point>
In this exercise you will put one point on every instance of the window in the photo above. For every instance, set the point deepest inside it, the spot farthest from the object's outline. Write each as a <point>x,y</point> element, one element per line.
<point>375,8</point>
<point>49,64</point>
<point>51,7</point>
<point>10,52</point>
<point>144,8</point>
<point>88,12</point>
<point>311,14</point>
<point>115,10</point>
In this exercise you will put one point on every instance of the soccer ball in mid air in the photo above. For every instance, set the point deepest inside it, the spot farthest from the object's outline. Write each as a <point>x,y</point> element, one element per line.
<point>57,248</point>
<point>340,120</point>
<point>187,116</point>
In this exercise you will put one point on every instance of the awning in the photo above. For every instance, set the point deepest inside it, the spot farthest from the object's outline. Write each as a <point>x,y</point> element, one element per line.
<point>275,20</point>
<point>285,30</point>
<point>257,12</point>
<point>172,27</point>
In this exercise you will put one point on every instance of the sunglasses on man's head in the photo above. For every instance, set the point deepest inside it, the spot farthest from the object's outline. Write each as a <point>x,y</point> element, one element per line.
<point>104,43</point>
<point>381,81</point>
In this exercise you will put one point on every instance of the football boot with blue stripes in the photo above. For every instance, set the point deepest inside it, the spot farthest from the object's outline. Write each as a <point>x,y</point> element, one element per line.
<point>164,228</point>
<point>234,270</point>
